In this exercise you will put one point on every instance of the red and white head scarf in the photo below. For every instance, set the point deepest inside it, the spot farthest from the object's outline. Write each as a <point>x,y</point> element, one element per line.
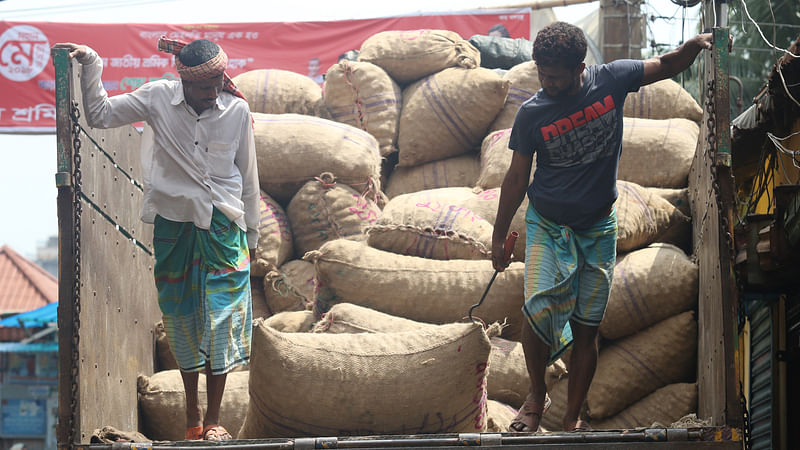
<point>214,67</point>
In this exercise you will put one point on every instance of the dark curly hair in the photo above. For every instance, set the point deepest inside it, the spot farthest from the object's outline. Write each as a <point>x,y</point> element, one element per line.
<point>197,52</point>
<point>560,44</point>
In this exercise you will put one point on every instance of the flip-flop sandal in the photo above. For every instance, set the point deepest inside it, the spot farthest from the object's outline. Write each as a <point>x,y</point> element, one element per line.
<point>528,410</point>
<point>216,433</point>
<point>580,426</point>
<point>194,433</point>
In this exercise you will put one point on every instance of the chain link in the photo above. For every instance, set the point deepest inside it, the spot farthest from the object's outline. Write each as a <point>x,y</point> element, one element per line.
<point>76,294</point>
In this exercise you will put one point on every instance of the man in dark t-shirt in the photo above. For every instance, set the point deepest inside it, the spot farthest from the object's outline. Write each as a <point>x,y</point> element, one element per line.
<point>574,127</point>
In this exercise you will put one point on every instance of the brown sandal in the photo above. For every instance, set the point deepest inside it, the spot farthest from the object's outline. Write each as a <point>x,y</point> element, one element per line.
<point>581,426</point>
<point>216,433</point>
<point>523,422</point>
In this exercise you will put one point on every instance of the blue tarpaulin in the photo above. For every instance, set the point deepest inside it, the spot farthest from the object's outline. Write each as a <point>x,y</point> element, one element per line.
<point>37,318</point>
<point>34,347</point>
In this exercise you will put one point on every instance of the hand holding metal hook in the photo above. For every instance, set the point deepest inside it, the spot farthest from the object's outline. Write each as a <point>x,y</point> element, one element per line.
<point>508,247</point>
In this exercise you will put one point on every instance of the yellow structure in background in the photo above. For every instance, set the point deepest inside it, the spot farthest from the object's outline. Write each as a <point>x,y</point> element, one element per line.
<point>784,172</point>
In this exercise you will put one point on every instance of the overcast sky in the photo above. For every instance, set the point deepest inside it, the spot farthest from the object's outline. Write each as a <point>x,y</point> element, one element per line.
<point>27,172</point>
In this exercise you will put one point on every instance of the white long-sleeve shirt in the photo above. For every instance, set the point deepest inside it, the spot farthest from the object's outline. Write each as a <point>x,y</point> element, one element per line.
<point>190,163</point>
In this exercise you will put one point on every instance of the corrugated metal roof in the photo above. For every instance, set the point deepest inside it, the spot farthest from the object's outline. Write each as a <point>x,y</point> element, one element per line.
<point>24,286</point>
<point>37,318</point>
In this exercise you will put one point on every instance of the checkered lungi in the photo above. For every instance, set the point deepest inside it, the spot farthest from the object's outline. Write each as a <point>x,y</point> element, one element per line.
<point>568,276</point>
<point>203,283</point>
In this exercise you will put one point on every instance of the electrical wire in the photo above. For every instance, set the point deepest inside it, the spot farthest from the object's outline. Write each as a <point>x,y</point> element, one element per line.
<point>777,141</point>
<point>744,3</point>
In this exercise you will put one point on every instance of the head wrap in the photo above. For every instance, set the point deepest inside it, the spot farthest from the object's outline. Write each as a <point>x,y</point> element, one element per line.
<point>209,69</point>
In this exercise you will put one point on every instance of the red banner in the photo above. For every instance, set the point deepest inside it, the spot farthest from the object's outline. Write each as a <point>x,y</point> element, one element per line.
<point>130,58</point>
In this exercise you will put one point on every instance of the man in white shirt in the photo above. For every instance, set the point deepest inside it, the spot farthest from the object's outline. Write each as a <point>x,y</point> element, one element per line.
<point>202,195</point>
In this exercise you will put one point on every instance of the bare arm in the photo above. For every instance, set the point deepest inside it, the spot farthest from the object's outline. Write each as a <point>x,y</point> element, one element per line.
<point>515,184</point>
<point>676,61</point>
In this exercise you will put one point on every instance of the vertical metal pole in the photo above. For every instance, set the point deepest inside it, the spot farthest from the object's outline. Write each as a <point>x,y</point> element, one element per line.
<point>66,247</point>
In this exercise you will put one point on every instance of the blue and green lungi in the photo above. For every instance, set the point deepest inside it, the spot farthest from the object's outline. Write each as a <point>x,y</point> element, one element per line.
<point>203,282</point>
<point>568,276</point>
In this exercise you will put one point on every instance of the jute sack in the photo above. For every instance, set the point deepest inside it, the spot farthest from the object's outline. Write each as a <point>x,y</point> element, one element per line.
<point>260,307</point>
<point>324,210</point>
<point>496,159</point>
<point>661,408</point>
<point>165,359</point>
<point>459,171</point>
<point>447,114</point>
<point>162,404</point>
<point>663,99</point>
<point>631,368</point>
<point>410,55</point>
<point>485,204</point>
<point>431,225</point>
<point>524,82</point>
<point>274,237</point>
<point>293,149</point>
<point>291,321</point>
<point>312,384</point>
<point>508,375</point>
<point>420,289</point>
<point>274,91</point>
<point>649,285</point>
<point>508,379</point>
<point>644,218</point>
<point>678,197</point>
<point>363,95</point>
<point>291,287</point>
<point>499,416</point>
<point>658,153</point>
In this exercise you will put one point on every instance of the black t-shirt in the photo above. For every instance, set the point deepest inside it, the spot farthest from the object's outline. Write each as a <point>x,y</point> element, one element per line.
<point>578,142</point>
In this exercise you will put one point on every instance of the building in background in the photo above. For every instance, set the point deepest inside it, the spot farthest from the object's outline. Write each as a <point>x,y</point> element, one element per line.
<point>47,256</point>
<point>28,353</point>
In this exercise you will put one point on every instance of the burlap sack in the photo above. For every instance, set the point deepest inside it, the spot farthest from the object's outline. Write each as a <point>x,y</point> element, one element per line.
<point>658,153</point>
<point>162,404</point>
<point>678,197</point>
<point>551,420</point>
<point>635,366</point>
<point>661,408</point>
<point>274,237</point>
<point>508,375</point>
<point>293,149</point>
<point>291,321</point>
<point>496,159</point>
<point>324,210</point>
<point>349,318</point>
<point>663,99</point>
<point>459,171</point>
<point>165,359</point>
<point>260,307</point>
<point>274,91</point>
<point>644,218</point>
<point>291,287</point>
<point>498,416</point>
<point>508,379</point>
<point>420,289</point>
<point>363,95</point>
<point>410,55</point>
<point>431,225</point>
<point>448,113</point>
<point>312,384</point>
<point>524,82</point>
<point>649,285</point>
<point>485,204</point>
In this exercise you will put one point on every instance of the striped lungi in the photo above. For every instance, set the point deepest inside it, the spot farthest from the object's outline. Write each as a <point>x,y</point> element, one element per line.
<point>203,283</point>
<point>568,276</point>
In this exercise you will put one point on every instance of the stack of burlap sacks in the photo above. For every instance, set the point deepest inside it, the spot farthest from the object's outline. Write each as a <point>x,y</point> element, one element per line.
<point>361,297</point>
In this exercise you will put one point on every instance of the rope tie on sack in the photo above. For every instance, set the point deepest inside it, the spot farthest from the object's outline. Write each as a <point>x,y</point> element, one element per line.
<point>327,180</point>
<point>348,78</point>
<point>324,323</point>
<point>373,189</point>
<point>280,285</point>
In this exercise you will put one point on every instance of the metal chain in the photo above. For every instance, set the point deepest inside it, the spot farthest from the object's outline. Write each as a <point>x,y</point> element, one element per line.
<point>76,294</point>
<point>711,151</point>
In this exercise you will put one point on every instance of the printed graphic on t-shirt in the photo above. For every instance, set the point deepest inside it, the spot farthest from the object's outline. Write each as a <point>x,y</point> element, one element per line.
<point>582,137</point>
